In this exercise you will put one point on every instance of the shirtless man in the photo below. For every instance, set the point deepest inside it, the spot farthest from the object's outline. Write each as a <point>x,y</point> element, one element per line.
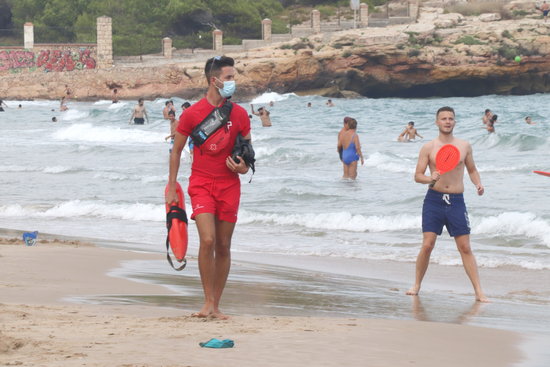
<point>263,113</point>
<point>444,204</point>
<point>545,8</point>
<point>409,133</point>
<point>138,113</point>
<point>173,125</point>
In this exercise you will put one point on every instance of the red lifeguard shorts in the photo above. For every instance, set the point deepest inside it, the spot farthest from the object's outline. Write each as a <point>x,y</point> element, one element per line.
<point>219,196</point>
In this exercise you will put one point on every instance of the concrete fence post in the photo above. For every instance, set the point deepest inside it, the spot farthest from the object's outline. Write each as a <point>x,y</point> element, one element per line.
<point>364,14</point>
<point>28,36</point>
<point>104,42</point>
<point>167,47</point>
<point>217,40</point>
<point>316,21</point>
<point>266,29</point>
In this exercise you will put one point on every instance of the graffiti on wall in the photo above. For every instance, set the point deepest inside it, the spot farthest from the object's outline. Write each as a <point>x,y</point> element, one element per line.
<point>16,59</point>
<point>46,60</point>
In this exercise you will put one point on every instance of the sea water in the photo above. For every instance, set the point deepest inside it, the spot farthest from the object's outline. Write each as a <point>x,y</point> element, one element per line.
<point>92,174</point>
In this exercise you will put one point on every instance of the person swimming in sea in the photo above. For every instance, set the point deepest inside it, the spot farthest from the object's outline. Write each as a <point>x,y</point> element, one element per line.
<point>410,133</point>
<point>351,149</point>
<point>491,124</point>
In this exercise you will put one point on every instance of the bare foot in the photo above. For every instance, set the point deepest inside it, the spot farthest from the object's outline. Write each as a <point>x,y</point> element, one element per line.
<point>205,311</point>
<point>482,299</point>
<point>413,291</point>
<point>218,315</point>
<point>199,315</point>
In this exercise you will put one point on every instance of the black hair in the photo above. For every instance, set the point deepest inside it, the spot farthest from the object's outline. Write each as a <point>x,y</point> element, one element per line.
<point>215,64</point>
<point>186,105</point>
<point>445,109</point>
<point>494,118</point>
<point>411,123</point>
<point>171,113</point>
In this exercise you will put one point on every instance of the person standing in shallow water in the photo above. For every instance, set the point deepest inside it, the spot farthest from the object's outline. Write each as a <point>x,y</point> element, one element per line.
<point>214,184</point>
<point>350,146</point>
<point>139,113</point>
<point>444,204</point>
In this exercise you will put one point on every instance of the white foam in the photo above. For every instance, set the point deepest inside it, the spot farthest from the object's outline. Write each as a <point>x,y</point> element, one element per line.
<point>73,114</point>
<point>102,102</point>
<point>57,169</point>
<point>392,164</point>
<point>514,224</point>
<point>99,134</point>
<point>271,97</point>
<point>335,221</point>
<point>83,208</point>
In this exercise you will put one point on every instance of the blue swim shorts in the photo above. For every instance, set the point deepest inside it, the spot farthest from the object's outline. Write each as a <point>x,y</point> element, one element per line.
<point>447,210</point>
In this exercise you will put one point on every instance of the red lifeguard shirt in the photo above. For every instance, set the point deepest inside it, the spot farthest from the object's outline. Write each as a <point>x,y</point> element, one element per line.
<point>209,158</point>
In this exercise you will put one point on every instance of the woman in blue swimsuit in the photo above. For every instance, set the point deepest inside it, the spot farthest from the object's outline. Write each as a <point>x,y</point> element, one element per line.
<point>351,149</point>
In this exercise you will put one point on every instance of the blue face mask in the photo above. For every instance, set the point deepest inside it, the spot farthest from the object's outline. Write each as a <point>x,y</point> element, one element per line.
<point>228,89</point>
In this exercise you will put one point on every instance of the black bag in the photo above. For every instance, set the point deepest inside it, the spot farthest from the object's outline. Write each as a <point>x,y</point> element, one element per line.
<point>243,148</point>
<point>211,123</point>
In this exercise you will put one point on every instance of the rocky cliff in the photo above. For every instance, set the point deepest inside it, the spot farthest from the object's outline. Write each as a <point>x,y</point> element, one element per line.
<point>441,55</point>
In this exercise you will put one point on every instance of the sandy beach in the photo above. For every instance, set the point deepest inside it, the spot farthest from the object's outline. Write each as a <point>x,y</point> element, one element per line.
<point>41,326</point>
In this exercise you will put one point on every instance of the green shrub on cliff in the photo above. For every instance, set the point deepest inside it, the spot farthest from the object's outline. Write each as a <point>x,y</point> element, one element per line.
<point>469,40</point>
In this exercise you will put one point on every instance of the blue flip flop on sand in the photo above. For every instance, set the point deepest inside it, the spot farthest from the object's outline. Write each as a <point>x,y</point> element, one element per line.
<point>217,343</point>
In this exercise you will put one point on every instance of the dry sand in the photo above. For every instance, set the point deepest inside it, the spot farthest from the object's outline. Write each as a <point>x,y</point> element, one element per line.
<point>39,327</point>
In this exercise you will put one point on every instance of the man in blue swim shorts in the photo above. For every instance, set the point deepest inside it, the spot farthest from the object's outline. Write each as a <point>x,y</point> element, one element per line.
<point>444,202</point>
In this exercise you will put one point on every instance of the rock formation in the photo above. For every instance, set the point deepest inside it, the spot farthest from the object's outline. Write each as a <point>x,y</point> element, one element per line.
<point>441,55</point>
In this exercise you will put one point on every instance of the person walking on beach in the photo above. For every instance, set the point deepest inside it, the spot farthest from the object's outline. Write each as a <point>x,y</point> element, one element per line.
<point>138,113</point>
<point>444,203</point>
<point>214,184</point>
<point>263,113</point>
<point>351,150</point>
<point>410,133</point>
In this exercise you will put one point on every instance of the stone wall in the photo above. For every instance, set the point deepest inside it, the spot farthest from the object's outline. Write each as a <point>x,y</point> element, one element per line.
<point>33,57</point>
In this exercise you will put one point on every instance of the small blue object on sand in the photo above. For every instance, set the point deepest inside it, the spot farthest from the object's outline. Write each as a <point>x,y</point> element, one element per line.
<point>217,343</point>
<point>30,238</point>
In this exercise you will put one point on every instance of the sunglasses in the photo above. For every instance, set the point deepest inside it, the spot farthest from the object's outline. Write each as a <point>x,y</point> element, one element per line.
<point>214,59</point>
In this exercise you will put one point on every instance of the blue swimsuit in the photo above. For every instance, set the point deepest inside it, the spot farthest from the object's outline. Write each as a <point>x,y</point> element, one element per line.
<point>349,155</point>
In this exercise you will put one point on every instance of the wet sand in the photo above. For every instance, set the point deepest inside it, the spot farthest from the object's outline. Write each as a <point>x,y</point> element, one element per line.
<point>42,325</point>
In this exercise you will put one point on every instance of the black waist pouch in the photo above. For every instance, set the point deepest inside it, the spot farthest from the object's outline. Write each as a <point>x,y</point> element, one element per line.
<point>211,123</point>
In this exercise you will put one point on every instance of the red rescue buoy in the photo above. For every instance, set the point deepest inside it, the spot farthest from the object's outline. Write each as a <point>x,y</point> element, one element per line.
<point>176,223</point>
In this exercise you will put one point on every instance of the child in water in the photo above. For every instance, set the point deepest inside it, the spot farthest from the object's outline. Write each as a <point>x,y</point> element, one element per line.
<point>349,143</point>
